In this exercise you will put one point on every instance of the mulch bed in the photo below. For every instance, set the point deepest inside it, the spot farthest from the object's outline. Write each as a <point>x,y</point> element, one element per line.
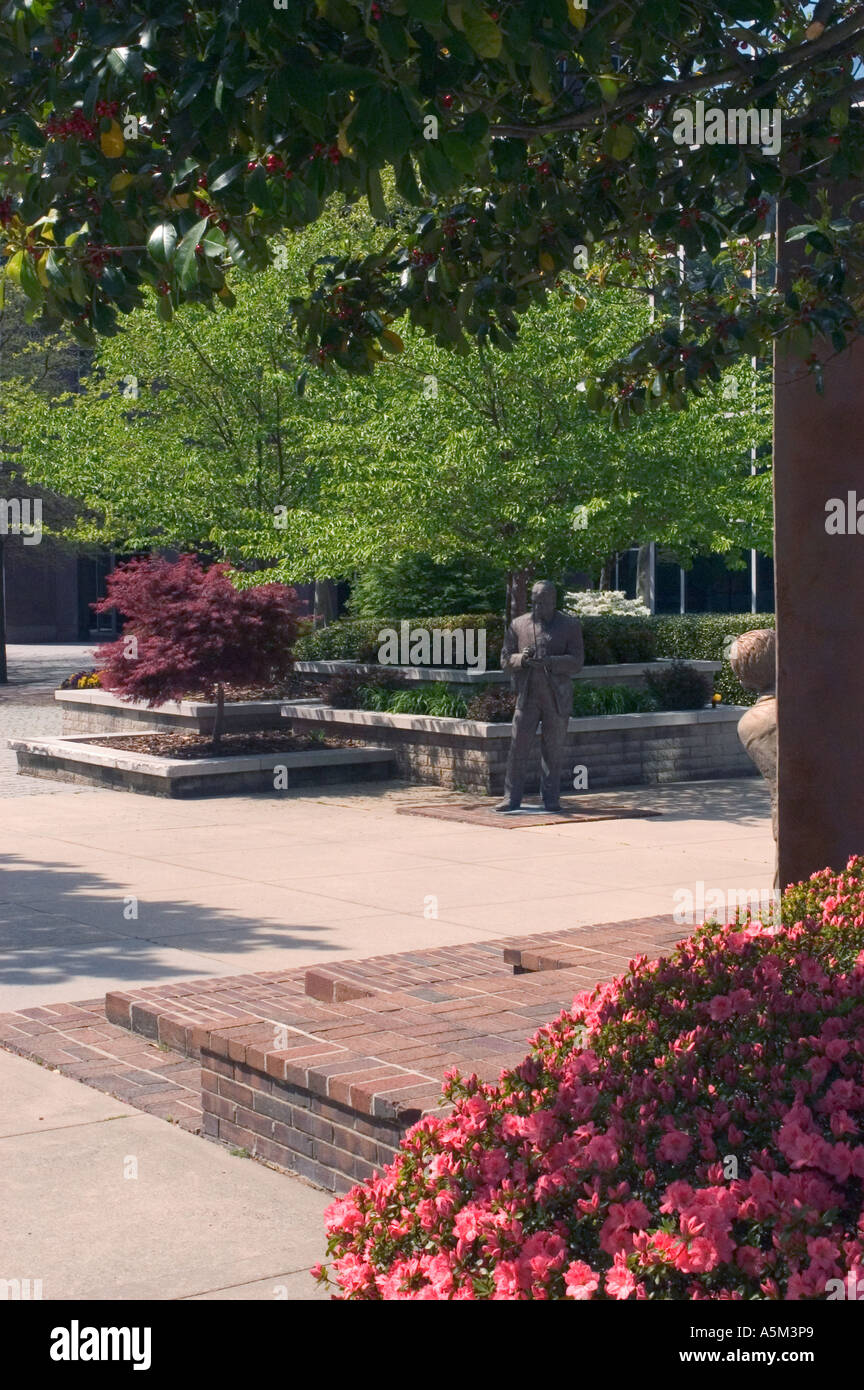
<point>180,745</point>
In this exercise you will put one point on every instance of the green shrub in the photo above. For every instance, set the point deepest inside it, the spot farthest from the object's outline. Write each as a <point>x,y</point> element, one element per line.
<point>346,689</point>
<point>348,639</point>
<point>703,637</point>
<point>608,640</point>
<point>591,700</point>
<point>495,704</point>
<point>356,639</point>
<point>679,686</point>
<point>440,701</point>
<point>415,587</point>
<point>612,639</point>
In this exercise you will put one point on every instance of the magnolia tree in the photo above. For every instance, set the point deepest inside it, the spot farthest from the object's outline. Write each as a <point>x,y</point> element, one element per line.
<point>188,628</point>
<point>158,145</point>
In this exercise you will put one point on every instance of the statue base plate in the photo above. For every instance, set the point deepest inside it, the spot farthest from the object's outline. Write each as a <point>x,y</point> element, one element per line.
<point>586,808</point>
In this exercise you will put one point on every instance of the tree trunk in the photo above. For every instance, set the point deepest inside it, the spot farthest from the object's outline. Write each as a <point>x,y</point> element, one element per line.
<point>4,674</point>
<point>607,572</point>
<point>219,718</point>
<point>517,593</point>
<point>645,577</point>
<point>324,602</point>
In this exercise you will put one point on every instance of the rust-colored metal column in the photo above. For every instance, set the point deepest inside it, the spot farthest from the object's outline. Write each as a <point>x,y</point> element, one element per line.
<point>819,456</point>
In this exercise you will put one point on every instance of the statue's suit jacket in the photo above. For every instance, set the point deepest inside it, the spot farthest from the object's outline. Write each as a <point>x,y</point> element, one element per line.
<point>564,657</point>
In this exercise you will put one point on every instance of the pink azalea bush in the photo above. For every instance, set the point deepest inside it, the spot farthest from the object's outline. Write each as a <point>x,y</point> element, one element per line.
<point>692,1130</point>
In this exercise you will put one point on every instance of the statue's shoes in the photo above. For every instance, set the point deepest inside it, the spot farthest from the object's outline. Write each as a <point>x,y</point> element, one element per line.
<point>507,806</point>
<point>553,810</point>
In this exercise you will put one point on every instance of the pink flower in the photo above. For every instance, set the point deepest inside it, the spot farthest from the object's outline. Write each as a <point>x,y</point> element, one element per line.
<point>580,1281</point>
<point>674,1146</point>
<point>720,1008</point>
<point>602,1152</point>
<point>620,1282</point>
<point>507,1279</point>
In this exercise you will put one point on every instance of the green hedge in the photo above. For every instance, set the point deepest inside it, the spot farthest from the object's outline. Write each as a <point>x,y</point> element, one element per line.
<point>702,637</point>
<point>691,637</point>
<point>610,640</point>
<point>356,639</point>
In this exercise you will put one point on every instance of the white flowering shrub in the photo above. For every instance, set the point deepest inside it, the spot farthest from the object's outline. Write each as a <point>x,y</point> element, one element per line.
<point>604,603</point>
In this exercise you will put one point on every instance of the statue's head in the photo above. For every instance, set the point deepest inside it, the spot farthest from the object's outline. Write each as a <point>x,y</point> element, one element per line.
<point>543,599</point>
<point>753,658</point>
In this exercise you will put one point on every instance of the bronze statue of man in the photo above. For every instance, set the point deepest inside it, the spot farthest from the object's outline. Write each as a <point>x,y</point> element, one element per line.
<point>543,651</point>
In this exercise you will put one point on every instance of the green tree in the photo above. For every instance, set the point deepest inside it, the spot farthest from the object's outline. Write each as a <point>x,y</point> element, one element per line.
<point>35,366</point>
<point>194,434</point>
<point>157,145</point>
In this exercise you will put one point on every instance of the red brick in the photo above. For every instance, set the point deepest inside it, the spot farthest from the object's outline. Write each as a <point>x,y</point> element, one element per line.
<point>220,1065</point>
<point>218,1105</point>
<point>232,1090</point>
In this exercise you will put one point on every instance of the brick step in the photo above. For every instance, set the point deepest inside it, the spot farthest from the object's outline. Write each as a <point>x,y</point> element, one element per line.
<point>321,1071</point>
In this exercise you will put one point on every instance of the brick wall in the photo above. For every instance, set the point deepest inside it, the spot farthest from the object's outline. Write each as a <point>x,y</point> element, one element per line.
<point>614,757</point>
<point>287,1125</point>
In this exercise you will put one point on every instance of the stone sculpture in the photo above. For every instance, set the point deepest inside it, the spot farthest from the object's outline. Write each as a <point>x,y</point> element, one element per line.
<point>753,658</point>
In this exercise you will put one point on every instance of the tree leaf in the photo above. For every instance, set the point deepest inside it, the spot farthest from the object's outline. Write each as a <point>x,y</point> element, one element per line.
<point>161,242</point>
<point>185,260</point>
<point>481,31</point>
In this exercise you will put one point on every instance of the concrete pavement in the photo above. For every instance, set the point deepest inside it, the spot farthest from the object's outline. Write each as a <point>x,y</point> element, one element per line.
<point>102,889</point>
<point>101,1201</point>
<point>109,889</point>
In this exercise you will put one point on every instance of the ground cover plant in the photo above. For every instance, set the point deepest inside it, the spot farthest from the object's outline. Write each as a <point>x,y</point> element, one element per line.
<point>494,704</point>
<point>690,1130</point>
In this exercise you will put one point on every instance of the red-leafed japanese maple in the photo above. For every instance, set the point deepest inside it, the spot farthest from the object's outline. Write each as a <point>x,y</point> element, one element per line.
<point>188,627</point>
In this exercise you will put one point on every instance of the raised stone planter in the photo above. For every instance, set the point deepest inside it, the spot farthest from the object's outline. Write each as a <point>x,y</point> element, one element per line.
<point>100,712</point>
<point>617,750</point>
<point>631,673</point>
<point>100,765</point>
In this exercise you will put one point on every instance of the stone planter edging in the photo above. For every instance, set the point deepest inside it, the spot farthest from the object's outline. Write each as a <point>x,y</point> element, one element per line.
<point>99,711</point>
<point>70,759</point>
<point>621,673</point>
<point>475,728</point>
